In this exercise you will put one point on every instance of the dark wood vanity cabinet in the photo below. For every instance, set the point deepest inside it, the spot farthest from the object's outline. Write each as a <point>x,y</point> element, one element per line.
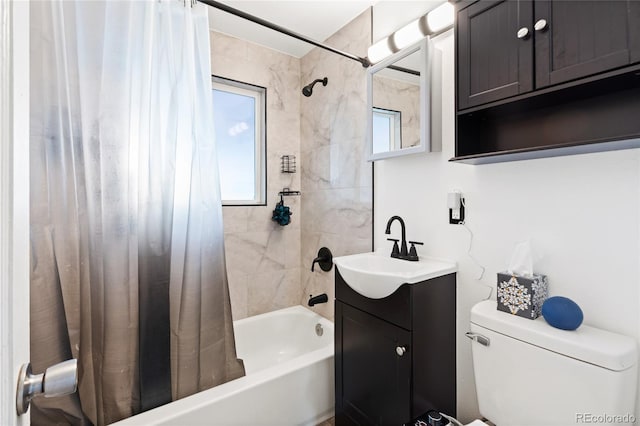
<point>534,75</point>
<point>375,385</point>
<point>395,357</point>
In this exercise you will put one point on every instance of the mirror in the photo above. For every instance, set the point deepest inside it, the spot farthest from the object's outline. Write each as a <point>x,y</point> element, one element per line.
<point>399,103</point>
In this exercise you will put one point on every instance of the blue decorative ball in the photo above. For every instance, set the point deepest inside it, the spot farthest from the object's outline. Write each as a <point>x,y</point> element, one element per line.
<point>562,312</point>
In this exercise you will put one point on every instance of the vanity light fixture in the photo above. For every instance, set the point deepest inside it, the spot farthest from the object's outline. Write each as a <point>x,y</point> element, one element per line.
<point>410,33</point>
<point>441,17</point>
<point>436,21</point>
<point>380,50</point>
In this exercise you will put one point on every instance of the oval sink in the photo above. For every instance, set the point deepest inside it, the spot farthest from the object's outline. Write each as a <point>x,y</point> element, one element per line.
<point>377,275</point>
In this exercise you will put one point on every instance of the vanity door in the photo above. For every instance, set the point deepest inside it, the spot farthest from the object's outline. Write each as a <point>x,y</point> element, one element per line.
<point>373,369</point>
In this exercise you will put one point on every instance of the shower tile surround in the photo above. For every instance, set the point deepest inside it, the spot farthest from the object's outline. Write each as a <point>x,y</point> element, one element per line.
<point>263,258</point>
<point>336,178</point>
<point>268,265</point>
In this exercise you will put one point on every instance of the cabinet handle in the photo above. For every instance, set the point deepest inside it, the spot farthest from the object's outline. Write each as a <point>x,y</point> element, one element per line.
<point>400,350</point>
<point>541,25</point>
<point>523,33</point>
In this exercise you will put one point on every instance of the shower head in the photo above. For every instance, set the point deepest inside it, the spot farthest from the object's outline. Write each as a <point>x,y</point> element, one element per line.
<point>308,89</point>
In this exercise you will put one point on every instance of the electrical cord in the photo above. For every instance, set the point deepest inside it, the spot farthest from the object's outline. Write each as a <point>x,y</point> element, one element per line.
<point>478,264</point>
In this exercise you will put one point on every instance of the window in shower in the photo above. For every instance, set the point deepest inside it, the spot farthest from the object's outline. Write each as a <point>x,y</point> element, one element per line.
<point>239,116</point>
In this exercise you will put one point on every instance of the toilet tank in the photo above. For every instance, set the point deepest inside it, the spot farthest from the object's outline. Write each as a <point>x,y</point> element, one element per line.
<point>530,373</point>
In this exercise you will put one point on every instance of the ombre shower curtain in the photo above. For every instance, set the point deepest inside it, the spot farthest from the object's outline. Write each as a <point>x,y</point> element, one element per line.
<point>128,271</point>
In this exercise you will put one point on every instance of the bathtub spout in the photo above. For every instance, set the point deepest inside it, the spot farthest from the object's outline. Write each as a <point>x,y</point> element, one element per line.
<point>321,298</point>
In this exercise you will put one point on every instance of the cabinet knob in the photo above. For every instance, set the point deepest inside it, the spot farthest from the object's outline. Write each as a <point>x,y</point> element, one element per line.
<point>541,25</point>
<point>523,33</point>
<point>400,350</point>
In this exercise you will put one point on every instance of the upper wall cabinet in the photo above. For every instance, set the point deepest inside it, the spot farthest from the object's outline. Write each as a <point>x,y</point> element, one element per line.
<point>534,76</point>
<point>494,62</point>
<point>499,42</point>
<point>575,39</point>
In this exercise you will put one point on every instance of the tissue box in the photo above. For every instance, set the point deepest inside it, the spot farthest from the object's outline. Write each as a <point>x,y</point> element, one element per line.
<point>522,296</point>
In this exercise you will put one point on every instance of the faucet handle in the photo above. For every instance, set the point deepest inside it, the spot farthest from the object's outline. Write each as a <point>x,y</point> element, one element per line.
<point>413,254</point>
<point>395,252</point>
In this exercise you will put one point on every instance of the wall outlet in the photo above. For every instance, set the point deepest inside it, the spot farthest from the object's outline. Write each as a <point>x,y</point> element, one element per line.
<point>456,215</point>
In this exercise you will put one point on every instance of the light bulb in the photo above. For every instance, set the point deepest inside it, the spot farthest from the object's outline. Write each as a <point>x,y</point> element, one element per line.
<point>408,34</point>
<point>379,50</point>
<point>440,17</point>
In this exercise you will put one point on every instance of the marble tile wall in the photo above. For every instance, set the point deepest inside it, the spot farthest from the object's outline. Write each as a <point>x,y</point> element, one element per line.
<point>336,179</point>
<point>263,258</point>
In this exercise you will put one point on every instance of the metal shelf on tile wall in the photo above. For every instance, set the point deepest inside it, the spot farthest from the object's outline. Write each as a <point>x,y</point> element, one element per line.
<point>287,192</point>
<point>288,164</point>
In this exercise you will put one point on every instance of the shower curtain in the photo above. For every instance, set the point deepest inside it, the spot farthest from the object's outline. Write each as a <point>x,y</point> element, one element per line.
<point>128,271</point>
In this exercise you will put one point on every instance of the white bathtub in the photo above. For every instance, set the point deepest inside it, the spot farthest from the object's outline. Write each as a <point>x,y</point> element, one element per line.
<point>289,377</point>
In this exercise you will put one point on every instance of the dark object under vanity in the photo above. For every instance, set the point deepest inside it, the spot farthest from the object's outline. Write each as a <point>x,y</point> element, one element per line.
<point>395,357</point>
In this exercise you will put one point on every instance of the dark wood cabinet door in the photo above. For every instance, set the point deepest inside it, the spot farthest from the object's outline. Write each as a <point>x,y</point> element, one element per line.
<point>373,382</point>
<point>493,63</point>
<point>583,38</point>
<point>634,31</point>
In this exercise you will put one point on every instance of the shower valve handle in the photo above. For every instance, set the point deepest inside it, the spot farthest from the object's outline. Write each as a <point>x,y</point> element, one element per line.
<point>324,259</point>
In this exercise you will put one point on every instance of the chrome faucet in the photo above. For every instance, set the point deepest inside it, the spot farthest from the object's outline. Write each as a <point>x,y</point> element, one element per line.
<point>402,252</point>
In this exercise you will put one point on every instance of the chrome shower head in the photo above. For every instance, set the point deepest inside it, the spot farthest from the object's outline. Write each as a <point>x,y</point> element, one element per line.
<point>308,89</point>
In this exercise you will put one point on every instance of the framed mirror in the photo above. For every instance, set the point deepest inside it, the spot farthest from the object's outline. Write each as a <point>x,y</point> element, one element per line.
<point>399,103</point>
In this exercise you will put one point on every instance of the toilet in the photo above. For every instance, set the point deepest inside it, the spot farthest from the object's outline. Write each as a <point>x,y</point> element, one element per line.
<point>529,373</point>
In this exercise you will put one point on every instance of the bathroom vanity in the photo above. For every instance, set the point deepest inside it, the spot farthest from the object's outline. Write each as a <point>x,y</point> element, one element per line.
<point>395,355</point>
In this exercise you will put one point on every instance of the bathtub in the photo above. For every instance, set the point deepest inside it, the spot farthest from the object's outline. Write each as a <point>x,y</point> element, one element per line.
<point>289,381</point>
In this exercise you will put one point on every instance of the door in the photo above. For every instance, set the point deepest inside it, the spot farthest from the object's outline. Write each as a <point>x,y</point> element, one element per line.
<point>373,376</point>
<point>495,51</point>
<point>14,202</point>
<point>575,39</point>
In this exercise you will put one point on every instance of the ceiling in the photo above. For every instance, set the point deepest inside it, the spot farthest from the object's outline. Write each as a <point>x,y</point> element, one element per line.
<point>316,19</point>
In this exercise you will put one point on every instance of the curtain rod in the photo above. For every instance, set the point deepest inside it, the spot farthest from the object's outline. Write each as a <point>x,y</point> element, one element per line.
<point>215,4</point>
<point>403,69</point>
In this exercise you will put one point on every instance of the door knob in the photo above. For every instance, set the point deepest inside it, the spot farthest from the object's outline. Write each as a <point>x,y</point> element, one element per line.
<point>523,33</point>
<point>58,380</point>
<point>400,350</point>
<point>540,25</point>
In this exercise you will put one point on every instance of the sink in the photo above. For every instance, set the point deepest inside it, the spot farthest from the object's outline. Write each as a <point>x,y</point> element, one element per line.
<point>377,275</point>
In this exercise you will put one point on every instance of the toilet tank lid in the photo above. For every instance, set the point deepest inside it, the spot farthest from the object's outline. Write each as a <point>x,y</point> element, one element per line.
<point>589,344</point>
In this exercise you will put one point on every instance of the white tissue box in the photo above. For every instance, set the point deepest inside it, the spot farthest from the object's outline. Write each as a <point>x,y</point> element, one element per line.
<point>522,296</point>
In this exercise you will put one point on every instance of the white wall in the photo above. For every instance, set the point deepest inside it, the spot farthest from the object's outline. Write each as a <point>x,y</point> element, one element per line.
<point>580,212</point>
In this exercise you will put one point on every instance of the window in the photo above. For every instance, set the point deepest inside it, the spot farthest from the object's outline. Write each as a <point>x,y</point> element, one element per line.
<point>386,130</point>
<point>239,117</point>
